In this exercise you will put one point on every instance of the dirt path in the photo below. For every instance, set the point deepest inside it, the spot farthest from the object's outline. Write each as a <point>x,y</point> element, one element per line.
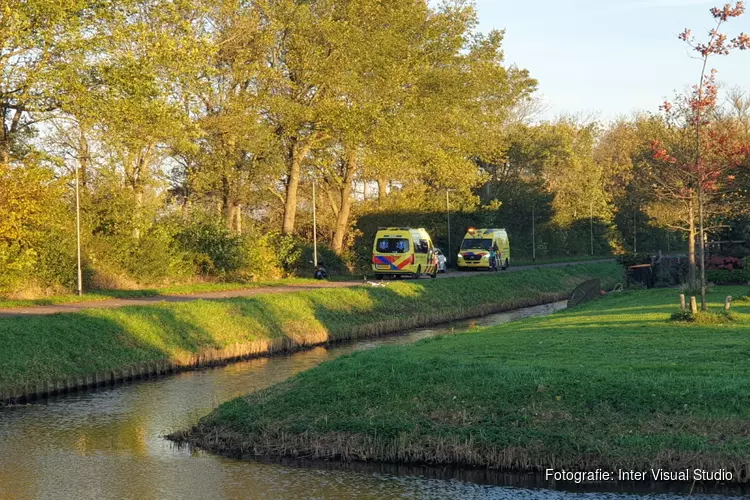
<point>247,292</point>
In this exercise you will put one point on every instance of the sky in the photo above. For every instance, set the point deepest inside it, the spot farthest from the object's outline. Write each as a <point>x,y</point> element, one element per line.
<point>610,58</point>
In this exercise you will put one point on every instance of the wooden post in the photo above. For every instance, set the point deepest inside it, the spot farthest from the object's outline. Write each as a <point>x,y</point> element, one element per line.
<point>683,306</point>
<point>693,305</point>
<point>728,303</point>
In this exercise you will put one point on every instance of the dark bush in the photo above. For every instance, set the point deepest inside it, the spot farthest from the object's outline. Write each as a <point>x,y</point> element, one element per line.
<point>633,259</point>
<point>213,249</point>
<point>726,276</point>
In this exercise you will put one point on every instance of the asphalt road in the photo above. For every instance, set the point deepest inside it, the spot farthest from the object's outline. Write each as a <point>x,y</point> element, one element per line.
<point>247,292</point>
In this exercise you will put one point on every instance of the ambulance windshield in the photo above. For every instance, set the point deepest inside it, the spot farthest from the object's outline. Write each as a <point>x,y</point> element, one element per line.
<point>476,244</point>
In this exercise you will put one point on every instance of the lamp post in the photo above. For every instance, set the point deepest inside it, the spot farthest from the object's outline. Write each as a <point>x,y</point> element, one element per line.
<point>591,225</point>
<point>78,233</point>
<point>533,231</point>
<point>635,230</point>
<point>448,212</point>
<point>315,227</point>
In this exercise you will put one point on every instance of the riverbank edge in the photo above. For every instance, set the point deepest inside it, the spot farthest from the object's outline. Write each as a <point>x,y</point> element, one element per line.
<point>207,358</point>
<point>276,443</point>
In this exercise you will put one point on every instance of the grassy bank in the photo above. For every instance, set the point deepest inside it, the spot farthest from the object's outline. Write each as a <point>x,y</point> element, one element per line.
<point>556,260</point>
<point>188,289</point>
<point>612,384</point>
<point>43,348</point>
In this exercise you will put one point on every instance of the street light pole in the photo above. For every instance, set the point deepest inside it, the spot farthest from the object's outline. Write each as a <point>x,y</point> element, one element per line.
<point>533,232</point>
<point>448,211</point>
<point>635,230</point>
<point>591,225</point>
<point>78,233</point>
<point>315,227</point>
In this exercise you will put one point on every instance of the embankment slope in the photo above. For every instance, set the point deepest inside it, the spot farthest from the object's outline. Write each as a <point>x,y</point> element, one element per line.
<point>64,350</point>
<point>613,384</point>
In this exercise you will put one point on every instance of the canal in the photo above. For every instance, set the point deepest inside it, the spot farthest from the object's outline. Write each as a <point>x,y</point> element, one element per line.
<point>109,443</point>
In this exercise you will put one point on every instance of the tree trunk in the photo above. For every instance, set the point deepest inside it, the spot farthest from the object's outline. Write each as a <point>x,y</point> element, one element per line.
<point>382,189</point>
<point>238,218</point>
<point>342,221</point>
<point>332,202</point>
<point>8,133</point>
<point>691,245</point>
<point>138,196</point>
<point>701,236</point>
<point>136,170</point>
<point>227,207</point>
<point>297,154</point>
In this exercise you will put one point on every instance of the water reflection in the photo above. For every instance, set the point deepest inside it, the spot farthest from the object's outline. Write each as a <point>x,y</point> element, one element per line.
<point>108,444</point>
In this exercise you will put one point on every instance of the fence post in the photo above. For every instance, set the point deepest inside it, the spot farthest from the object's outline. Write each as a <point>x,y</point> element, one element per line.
<point>683,306</point>
<point>728,303</point>
<point>693,305</point>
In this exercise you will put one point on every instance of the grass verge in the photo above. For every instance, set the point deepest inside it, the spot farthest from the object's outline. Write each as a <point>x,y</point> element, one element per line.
<point>189,289</point>
<point>38,349</point>
<point>557,260</point>
<point>613,384</point>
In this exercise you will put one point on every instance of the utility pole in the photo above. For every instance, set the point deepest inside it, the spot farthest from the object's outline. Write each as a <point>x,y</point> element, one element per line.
<point>591,225</point>
<point>635,230</point>
<point>78,233</point>
<point>448,211</point>
<point>315,226</point>
<point>533,232</point>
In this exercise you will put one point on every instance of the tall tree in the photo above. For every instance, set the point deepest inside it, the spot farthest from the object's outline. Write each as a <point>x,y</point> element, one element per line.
<point>710,156</point>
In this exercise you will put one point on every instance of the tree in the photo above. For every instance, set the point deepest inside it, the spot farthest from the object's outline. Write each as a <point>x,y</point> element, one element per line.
<point>699,171</point>
<point>39,41</point>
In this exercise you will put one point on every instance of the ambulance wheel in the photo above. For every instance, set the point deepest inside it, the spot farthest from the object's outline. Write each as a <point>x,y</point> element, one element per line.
<point>419,272</point>
<point>506,265</point>
<point>434,274</point>
<point>380,277</point>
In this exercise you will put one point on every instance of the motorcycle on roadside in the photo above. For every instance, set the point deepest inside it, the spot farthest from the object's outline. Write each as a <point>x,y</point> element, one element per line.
<point>320,272</point>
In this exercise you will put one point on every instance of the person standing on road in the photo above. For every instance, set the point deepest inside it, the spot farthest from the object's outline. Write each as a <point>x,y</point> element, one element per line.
<point>493,257</point>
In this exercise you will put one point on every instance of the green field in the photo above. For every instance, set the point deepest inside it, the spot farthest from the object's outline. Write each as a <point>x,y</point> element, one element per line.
<point>612,384</point>
<point>42,348</point>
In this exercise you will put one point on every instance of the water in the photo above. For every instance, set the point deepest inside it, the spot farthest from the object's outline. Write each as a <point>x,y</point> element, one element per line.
<point>109,443</point>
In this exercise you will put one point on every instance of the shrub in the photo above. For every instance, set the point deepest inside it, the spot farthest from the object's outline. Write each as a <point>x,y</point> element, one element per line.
<point>212,248</point>
<point>633,259</point>
<point>296,255</point>
<point>259,258</point>
<point>702,317</point>
<point>729,263</point>
<point>726,276</point>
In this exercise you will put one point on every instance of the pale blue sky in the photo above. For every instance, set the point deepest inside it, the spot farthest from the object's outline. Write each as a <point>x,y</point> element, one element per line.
<point>611,57</point>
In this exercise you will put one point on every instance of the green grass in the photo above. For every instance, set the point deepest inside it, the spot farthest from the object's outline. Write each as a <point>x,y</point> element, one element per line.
<point>34,349</point>
<point>612,384</point>
<point>190,289</point>
<point>556,260</point>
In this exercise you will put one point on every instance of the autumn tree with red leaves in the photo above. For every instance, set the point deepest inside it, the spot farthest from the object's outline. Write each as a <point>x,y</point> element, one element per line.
<point>697,158</point>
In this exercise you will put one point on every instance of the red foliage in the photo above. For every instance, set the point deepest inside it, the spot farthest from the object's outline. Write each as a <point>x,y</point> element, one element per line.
<point>720,151</point>
<point>729,10</point>
<point>742,41</point>
<point>729,263</point>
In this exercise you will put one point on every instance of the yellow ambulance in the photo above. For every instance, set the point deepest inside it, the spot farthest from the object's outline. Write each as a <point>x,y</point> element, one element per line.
<point>403,251</point>
<point>484,249</point>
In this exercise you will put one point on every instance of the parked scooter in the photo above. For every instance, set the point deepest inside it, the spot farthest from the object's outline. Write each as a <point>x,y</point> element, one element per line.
<point>320,272</point>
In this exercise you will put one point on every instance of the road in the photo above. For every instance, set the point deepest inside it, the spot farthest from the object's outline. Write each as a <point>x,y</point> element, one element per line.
<point>247,292</point>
